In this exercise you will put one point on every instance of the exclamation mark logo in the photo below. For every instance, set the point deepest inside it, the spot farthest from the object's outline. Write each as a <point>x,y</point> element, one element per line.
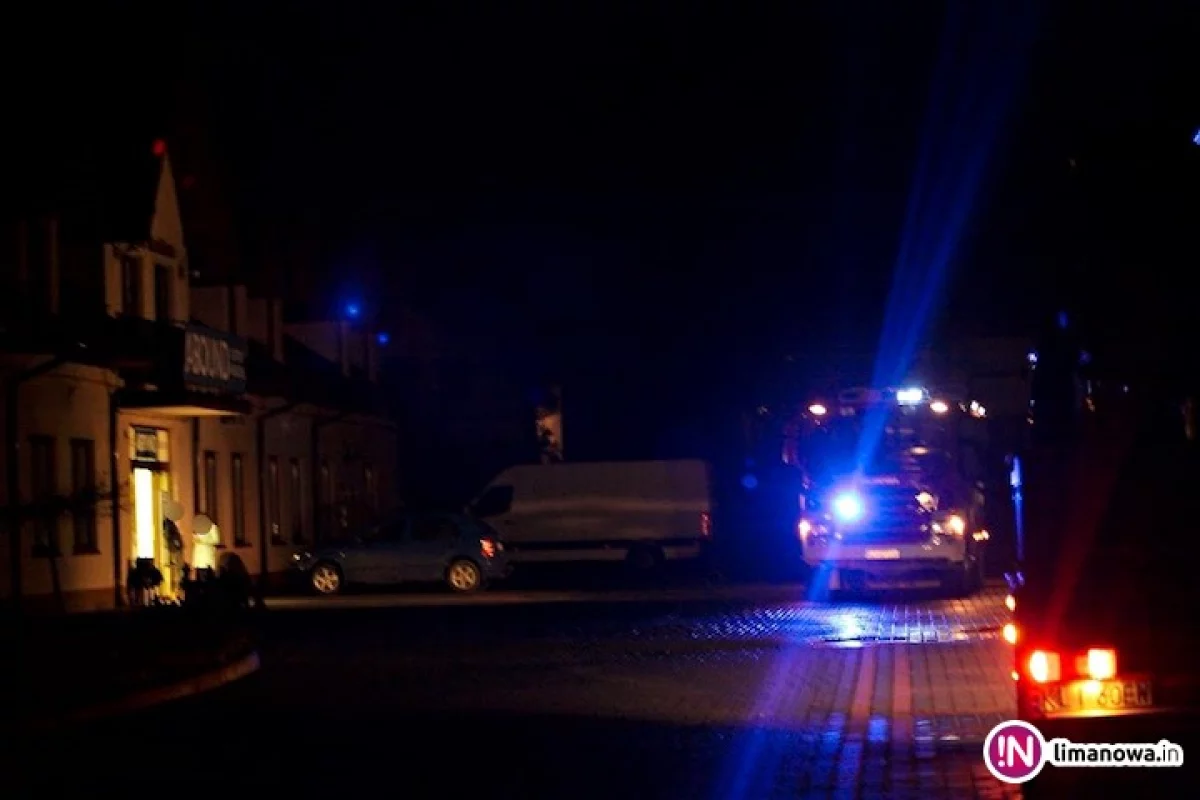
<point>1014,751</point>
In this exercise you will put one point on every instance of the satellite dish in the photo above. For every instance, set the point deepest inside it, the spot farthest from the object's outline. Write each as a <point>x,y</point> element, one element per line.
<point>201,524</point>
<point>172,509</point>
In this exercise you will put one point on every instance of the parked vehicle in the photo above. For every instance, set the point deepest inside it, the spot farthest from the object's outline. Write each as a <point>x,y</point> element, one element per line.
<point>456,549</point>
<point>642,512</point>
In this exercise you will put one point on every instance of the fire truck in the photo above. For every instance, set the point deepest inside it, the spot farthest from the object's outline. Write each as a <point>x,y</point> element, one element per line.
<point>1104,594</point>
<point>892,491</point>
<point>1104,630</point>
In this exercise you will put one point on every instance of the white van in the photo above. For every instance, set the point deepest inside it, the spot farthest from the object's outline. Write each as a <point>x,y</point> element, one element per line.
<point>644,512</point>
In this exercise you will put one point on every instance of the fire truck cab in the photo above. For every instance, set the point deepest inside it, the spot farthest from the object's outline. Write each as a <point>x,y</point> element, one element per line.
<point>892,490</point>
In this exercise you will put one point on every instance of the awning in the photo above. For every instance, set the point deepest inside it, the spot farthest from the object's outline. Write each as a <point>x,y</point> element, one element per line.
<point>184,404</point>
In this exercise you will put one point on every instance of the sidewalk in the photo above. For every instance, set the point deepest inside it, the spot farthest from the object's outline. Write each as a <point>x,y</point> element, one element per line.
<point>75,667</point>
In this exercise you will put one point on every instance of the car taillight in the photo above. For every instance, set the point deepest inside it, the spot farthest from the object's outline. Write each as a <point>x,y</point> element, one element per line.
<point>488,547</point>
<point>1099,664</point>
<point>705,525</point>
<point>1044,666</point>
<point>1011,633</point>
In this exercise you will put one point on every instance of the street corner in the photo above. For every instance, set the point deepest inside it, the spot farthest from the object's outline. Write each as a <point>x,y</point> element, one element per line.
<point>135,659</point>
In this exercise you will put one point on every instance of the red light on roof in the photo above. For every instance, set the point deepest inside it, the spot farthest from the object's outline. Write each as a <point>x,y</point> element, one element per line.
<point>160,147</point>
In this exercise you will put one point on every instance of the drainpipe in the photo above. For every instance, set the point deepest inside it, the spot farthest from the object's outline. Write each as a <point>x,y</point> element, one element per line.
<point>260,446</point>
<point>315,460</point>
<point>12,430</point>
<point>114,493</point>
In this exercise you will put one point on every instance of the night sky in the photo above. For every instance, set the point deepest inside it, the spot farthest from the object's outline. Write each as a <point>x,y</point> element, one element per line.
<point>689,193</point>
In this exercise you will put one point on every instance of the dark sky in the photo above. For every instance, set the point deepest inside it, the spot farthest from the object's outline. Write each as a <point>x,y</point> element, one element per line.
<point>690,186</point>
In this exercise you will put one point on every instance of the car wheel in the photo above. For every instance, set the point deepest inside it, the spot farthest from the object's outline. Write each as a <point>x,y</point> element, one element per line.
<point>326,578</point>
<point>464,576</point>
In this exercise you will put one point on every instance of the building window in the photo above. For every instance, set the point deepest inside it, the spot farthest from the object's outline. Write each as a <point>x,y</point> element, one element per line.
<point>273,497</point>
<point>42,488</point>
<point>296,499</point>
<point>210,486</point>
<point>327,498</point>
<point>162,293</point>
<point>238,478</point>
<point>131,286</point>
<point>370,487</point>
<point>83,493</point>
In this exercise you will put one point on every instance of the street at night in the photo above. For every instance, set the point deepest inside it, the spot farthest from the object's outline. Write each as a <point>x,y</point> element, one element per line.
<point>755,692</point>
<point>654,401</point>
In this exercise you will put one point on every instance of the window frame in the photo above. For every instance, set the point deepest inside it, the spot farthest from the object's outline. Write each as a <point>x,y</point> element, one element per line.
<point>84,490</point>
<point>45,526</point>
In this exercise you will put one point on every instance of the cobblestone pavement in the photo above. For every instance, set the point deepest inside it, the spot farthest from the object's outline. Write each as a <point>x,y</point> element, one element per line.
<point>769,698</point>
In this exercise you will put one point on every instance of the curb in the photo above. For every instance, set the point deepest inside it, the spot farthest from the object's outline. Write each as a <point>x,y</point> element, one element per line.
<point>146,698</point>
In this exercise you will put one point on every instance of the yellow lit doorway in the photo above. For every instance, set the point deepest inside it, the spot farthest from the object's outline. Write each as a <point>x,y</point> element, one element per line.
<point>151,490</point>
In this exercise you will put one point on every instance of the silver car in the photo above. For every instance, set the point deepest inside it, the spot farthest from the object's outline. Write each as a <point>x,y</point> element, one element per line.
<point>456,549</point>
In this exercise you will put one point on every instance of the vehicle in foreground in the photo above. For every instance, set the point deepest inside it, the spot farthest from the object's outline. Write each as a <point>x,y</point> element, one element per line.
<point>1105,631</point>
<point>891,495</point>
<point>645,513</point>
<point>455,549</point>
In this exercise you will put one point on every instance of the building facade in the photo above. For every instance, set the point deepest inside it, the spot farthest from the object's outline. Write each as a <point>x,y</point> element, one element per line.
<point>132,396</point>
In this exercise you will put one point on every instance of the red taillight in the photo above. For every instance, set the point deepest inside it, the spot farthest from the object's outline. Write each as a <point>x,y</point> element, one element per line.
<point>705,525</point>
<point>1044,666</point>
<point>488,547</point>
<point>1099,664</point>
<point>1048,666</point>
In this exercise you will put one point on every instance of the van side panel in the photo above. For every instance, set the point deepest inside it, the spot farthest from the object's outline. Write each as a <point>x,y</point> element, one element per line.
<point>596,511</point>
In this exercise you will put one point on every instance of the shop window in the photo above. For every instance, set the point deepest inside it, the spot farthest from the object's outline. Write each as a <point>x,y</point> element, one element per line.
<point>84,495</point>
<point>327,497</point>
<point>237,477</point>
<point>296,499</point>
<point>273,501</point>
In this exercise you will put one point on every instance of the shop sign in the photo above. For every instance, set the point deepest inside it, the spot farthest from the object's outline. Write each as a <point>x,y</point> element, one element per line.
<point>145,444</point>
<point>213,361</point>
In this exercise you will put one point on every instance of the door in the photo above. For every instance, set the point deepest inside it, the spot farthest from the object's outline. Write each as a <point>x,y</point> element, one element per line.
<point>433,541</point>
<point>171,564</point>
<point>377,557</point>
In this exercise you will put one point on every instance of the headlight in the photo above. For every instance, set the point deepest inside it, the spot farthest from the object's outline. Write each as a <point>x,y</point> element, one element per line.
<point>806,528</point>
<point>848,506</point>
<point>301,557</point>
<point>953,525</point>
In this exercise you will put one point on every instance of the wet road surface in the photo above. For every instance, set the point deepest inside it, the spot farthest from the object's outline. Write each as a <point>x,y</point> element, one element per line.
<point>766,695</point>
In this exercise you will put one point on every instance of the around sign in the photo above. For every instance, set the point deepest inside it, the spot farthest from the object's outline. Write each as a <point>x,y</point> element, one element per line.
<point>213,361</point>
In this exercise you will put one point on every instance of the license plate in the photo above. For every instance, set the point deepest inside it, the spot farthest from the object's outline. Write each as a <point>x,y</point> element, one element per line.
<point>880,555</point>
<point>1090,697</point>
